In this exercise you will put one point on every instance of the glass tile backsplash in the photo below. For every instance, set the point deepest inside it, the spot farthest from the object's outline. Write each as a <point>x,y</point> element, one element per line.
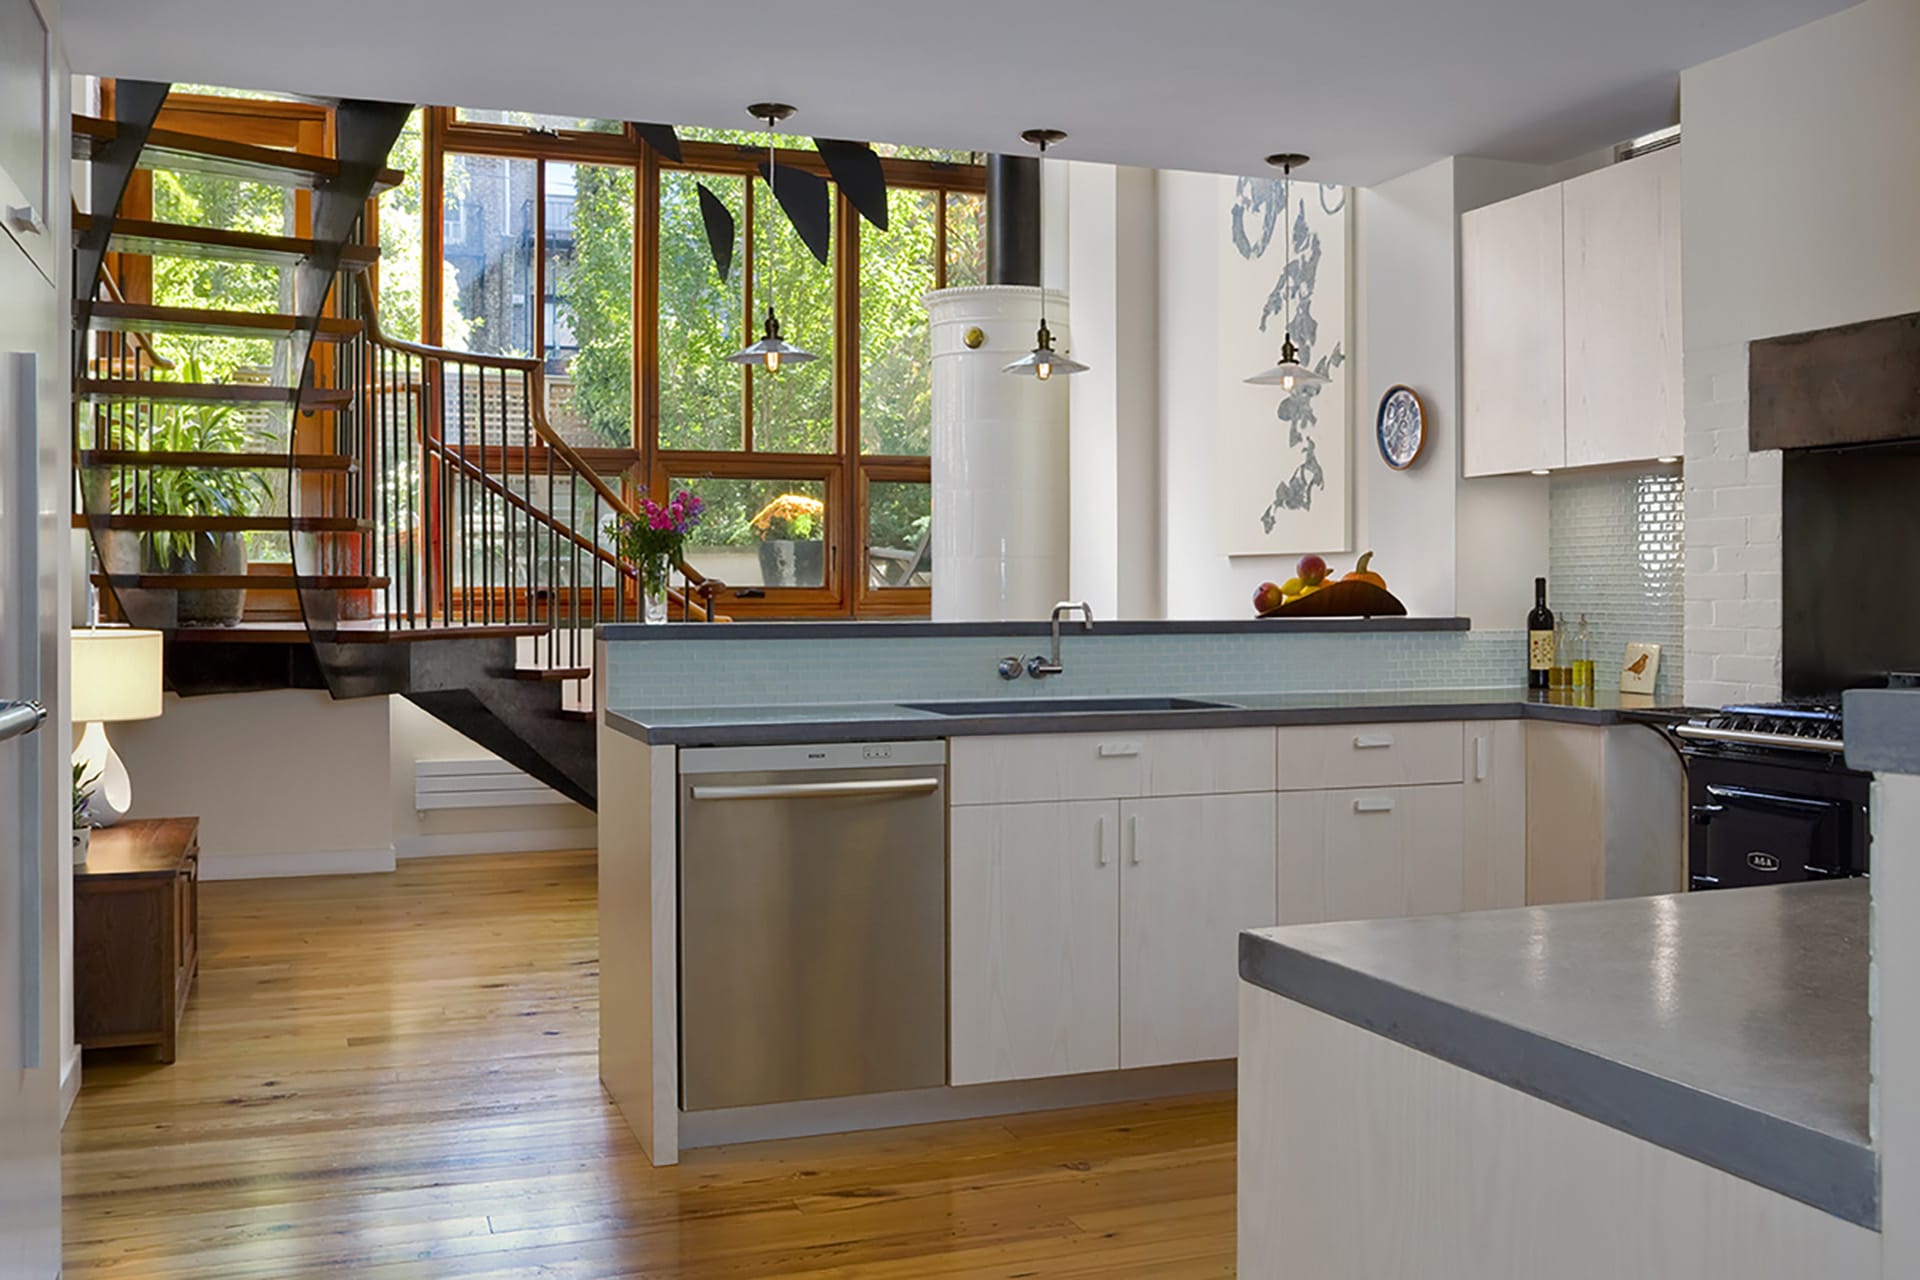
<point>694,673</point>
<point>1616,556</point>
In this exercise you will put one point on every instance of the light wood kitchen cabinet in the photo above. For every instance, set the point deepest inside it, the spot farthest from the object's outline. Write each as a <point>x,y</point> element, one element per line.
<point>1034,905</point>
<point>1623,355</point>
<point>1570,322</point>
<point>1369,755</point>
<point>1088,766</point>
<point>1512,335</point>
<point>1495,824</point>
<point>1606,813</point>
<point>1369,853</point>
<point>1196,871</point>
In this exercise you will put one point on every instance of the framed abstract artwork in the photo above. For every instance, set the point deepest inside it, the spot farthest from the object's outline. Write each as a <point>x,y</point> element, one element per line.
<point>1283,460</point>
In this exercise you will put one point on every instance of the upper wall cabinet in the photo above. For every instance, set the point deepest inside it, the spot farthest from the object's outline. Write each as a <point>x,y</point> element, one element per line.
<point>1514,347</point>
<point>1571,343</point>
<point>26,125</point>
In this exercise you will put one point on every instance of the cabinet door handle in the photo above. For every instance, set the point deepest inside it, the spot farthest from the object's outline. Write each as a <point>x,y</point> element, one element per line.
<point>26,220</point>
<point>1373,806</point>
<point>1372,741</point>
<point>1480,759</point>
<point>1111,750</point>
<point>1100,839</point>
<point>1133,838</point>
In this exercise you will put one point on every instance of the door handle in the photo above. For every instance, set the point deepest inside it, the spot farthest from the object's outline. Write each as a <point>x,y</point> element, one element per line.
<point>20,420</point>
<point>820,790</point>
<point>1373,806</point>
<point>1372,741</point>
<point>1480,759</point>
<point>1133,838</point>
<point>17,718</point>
<point>1100,840</point>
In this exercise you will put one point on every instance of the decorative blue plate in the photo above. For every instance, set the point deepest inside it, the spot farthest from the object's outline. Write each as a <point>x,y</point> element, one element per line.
<point>1401,427</point>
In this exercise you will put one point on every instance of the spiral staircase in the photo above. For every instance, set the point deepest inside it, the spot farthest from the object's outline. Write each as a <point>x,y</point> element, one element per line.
<point>445,543</point>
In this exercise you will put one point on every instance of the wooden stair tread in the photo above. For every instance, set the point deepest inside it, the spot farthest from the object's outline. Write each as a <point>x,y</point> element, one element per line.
<point>357,632</point>
<point>176,239</point>
<point>217,461</point>
<point>155,391</point>
<point>140,317</point>
<point>225,524</point>
<point>221,157</point>
<point>552,674</point>
<point>239,582</point>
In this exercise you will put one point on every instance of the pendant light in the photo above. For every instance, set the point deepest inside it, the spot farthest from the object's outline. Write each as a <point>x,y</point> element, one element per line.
<point>771,350</point>
<point>1289,372</point>
<point>1043,361</point>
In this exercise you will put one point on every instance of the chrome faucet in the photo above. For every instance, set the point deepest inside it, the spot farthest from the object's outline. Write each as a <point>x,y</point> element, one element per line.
<point>1040,668</point>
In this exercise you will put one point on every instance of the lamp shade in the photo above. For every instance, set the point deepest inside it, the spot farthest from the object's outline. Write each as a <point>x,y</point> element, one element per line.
<point>116,674</point>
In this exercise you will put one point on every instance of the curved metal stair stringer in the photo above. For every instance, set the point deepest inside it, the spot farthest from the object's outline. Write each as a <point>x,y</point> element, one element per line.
<point>136,105</point>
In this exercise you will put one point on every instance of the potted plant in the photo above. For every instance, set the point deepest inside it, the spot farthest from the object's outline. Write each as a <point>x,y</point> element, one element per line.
<point>791,530</point>
<point>183,491</point>
<point>83,785</point>
<point>653,540</point>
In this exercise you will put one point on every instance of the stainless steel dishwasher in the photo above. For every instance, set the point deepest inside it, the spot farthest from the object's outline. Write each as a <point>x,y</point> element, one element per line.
<point>813,921</point>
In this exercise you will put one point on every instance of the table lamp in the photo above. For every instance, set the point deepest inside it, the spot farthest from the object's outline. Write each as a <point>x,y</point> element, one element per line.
<point>116,676</point>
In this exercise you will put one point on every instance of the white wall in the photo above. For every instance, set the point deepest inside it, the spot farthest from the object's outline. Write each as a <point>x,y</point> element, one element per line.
<point>1802,178</point>
<point>414,735</point>
<point>285,782</point>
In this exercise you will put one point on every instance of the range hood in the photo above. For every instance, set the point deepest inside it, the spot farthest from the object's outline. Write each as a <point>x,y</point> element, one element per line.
<point>1857,384</point>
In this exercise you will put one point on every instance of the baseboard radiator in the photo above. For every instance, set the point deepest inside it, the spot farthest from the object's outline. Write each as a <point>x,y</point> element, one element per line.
<point>477,784</point>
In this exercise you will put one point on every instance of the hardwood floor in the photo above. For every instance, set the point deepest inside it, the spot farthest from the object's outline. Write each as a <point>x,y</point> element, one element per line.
<point>393,1076</point>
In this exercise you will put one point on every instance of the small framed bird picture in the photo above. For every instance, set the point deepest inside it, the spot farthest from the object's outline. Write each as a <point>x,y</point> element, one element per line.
<point>1637,673</point>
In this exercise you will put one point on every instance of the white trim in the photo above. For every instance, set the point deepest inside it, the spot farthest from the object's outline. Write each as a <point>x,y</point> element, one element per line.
<point>266,866</point>
<point>69,1083</point>
<point>928,1106</point>
<point>457,843</point>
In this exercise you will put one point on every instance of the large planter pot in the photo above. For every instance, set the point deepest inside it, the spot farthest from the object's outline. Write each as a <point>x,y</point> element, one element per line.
<point>213,553</point>
<point>784,563</point>
<point>121,551</point>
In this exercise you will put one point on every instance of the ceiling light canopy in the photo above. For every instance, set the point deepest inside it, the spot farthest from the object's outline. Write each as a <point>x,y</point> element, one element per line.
<point>1288,373</point>
<point>1043,361</point>
<point>771,351</point>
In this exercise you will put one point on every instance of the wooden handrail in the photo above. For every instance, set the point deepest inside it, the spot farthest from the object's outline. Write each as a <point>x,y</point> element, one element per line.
<point>536,406</point>
<point>142,340</point>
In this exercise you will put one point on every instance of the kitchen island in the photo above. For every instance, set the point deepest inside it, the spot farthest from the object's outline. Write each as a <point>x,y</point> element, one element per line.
<point>1663,1086</point>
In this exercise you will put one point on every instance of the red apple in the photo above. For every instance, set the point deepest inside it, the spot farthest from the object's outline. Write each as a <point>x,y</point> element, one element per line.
<point>1312,569</point>
<point>1267,597</point>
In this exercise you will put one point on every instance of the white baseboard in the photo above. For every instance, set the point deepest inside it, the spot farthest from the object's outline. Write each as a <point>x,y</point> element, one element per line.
<point>928,1106</point>
<point>69,1083</point>
<point>456,844</point>
<point>265,866</point>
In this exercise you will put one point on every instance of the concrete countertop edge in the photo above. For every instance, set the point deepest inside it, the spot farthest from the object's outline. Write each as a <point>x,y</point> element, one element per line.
<point>750,731</point>
<point>1883,730</point>
<point>920,628</point>
<point>1819,1169</point>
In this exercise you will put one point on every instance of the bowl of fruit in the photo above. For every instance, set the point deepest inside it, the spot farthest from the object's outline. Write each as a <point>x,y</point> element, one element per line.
<point>1315,592</point>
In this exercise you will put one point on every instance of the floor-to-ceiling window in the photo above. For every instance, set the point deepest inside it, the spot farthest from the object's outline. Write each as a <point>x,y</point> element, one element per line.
<point>574,241</point>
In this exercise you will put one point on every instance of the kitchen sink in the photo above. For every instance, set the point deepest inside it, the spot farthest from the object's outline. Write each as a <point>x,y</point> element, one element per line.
<point>1067,706</point>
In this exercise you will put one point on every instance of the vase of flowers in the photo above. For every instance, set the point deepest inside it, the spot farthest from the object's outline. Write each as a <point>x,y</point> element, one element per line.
<point>653,540</point>
<point>792,545</point>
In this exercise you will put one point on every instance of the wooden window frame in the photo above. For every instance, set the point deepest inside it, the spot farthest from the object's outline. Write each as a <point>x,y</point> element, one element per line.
<point>845,472</point>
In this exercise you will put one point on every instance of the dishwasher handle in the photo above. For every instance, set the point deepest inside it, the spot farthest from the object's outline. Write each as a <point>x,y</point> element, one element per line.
<point>820,790</point>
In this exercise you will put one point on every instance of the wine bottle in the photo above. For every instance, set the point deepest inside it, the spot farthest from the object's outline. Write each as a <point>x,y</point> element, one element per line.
<point>1539,638</point>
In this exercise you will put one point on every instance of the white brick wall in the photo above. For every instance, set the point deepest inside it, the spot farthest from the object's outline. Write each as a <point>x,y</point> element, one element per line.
<point>1732,540</point>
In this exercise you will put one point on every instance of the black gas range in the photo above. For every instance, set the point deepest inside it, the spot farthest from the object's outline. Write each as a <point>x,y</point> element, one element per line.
<point>1770,798</point>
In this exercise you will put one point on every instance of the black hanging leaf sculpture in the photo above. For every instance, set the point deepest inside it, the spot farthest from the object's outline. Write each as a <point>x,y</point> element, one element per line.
<point>661,138</point>
<point>804,196</point>
<point>856,167</point>
<point>720,229</point>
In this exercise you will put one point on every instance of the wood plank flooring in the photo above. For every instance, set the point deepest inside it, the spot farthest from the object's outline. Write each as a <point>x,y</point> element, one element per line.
<point>393,1076</point>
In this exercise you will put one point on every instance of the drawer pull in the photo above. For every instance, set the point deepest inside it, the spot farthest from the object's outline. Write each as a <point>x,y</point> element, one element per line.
<point>1100,838</point>
<point>1112,750</point>
<point>1372,741</point>
<point>1373,806</point>
<point>1480,759</point>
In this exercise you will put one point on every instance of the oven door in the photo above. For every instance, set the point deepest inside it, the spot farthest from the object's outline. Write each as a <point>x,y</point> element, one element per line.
<point>1747,836</point>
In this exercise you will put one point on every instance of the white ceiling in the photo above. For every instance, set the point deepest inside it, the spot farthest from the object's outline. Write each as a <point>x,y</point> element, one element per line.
<point>1370,88</point>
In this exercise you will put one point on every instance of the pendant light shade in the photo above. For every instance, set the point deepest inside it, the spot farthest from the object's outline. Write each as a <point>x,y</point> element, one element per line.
<point>1287,373</point>
<point>1043,361</point>
<point>771,351</point>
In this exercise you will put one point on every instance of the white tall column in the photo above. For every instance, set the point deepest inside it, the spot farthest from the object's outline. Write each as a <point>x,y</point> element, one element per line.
<point>1000,524</point>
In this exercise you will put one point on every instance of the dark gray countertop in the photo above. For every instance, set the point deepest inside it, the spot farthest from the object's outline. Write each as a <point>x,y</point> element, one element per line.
<point>1729,1027</point>
<point>861,721</point>
<point>1883,730</point>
